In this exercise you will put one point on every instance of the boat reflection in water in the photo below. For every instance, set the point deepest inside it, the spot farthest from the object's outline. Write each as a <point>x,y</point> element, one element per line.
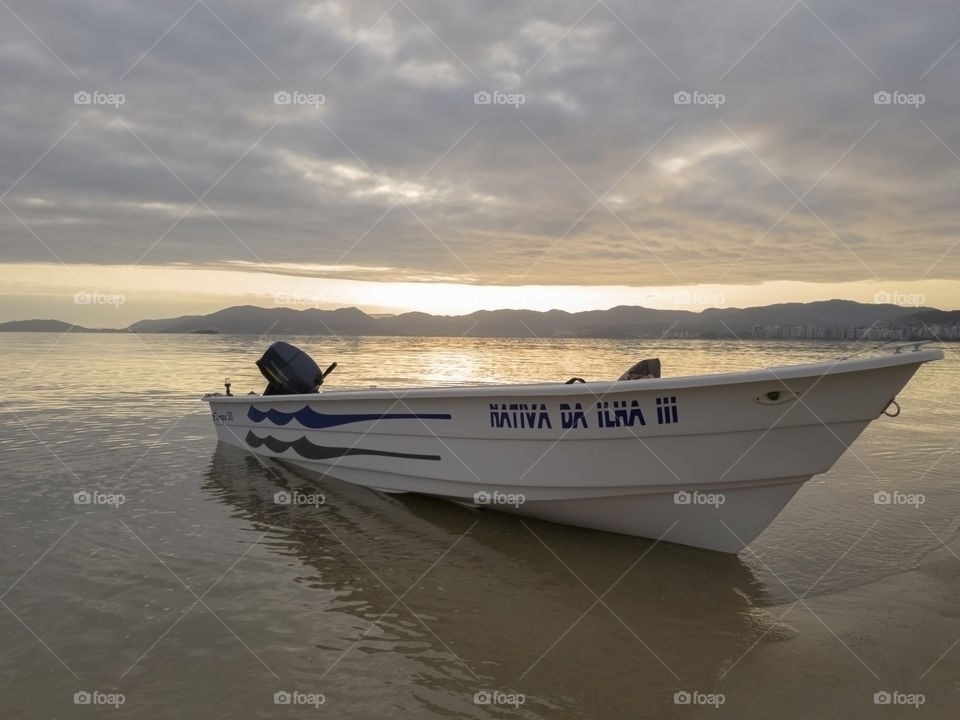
<point>418,603</point>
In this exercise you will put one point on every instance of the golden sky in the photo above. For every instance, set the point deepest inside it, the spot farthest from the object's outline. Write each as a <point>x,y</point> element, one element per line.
<point>115,296</point>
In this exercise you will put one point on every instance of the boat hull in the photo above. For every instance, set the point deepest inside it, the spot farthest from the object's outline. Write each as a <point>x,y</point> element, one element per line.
<point>707,461</point>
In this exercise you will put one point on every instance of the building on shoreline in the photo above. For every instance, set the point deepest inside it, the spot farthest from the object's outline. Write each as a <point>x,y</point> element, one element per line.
<point>818,332</point>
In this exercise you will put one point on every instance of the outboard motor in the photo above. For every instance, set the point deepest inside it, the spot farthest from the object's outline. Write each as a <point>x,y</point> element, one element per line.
<point>643,369</point>
<point>290,371</point>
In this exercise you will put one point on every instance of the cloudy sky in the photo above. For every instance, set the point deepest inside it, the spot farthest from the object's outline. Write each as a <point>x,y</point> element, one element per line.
<point>186,155</point>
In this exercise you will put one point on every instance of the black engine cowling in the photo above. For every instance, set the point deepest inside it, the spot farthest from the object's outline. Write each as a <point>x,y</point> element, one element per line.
<point>289,370</point>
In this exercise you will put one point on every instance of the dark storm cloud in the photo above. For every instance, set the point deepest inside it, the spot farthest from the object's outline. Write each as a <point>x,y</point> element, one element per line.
<point>400,168</point>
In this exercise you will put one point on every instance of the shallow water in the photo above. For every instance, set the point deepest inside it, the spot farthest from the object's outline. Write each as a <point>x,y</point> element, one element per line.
<point>199,596</point>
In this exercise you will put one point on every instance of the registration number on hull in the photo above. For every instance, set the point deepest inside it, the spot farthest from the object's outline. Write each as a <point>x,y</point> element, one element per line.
<point>222,418</point>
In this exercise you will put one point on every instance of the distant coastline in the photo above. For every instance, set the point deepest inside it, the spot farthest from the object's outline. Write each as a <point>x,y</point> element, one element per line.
<point>825,320</point>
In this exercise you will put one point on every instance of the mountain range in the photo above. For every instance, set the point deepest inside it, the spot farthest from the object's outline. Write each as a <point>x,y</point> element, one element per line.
<point>617,322</point>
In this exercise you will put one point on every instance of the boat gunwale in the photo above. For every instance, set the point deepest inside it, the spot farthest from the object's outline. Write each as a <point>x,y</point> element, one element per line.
<point>599,387</point>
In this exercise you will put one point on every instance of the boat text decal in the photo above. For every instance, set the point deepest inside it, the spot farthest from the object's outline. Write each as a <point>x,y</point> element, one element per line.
<point>666,410</point>
<point>570,416</point>
<point>316,420</point>
<point>306,449</point>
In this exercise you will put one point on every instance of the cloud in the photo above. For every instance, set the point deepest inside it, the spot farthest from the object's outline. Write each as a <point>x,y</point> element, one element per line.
<point>597,177</point>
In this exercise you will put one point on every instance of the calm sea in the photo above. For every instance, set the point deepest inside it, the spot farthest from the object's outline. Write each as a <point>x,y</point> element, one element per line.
<point>185,591</point>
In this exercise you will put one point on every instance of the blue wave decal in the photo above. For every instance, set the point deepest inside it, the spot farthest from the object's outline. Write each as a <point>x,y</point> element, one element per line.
<point>306,449</point>
<point>317,421</point>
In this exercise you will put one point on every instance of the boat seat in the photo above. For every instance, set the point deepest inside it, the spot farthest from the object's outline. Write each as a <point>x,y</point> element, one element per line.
<point>643,370</point>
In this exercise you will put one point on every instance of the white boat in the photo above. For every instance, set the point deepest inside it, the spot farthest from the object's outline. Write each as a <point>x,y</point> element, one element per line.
<point>704,460</point>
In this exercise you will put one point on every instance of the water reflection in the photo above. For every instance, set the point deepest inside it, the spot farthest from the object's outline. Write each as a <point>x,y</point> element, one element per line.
<point>510,603</point>
<point>121,413</point>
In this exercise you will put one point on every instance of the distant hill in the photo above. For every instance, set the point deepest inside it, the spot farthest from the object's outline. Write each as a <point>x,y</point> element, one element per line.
<point>249,319</point>
<point>830,313</point>
<point>56,326</point>
<point>928,318</point>
<point>617,322</point>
